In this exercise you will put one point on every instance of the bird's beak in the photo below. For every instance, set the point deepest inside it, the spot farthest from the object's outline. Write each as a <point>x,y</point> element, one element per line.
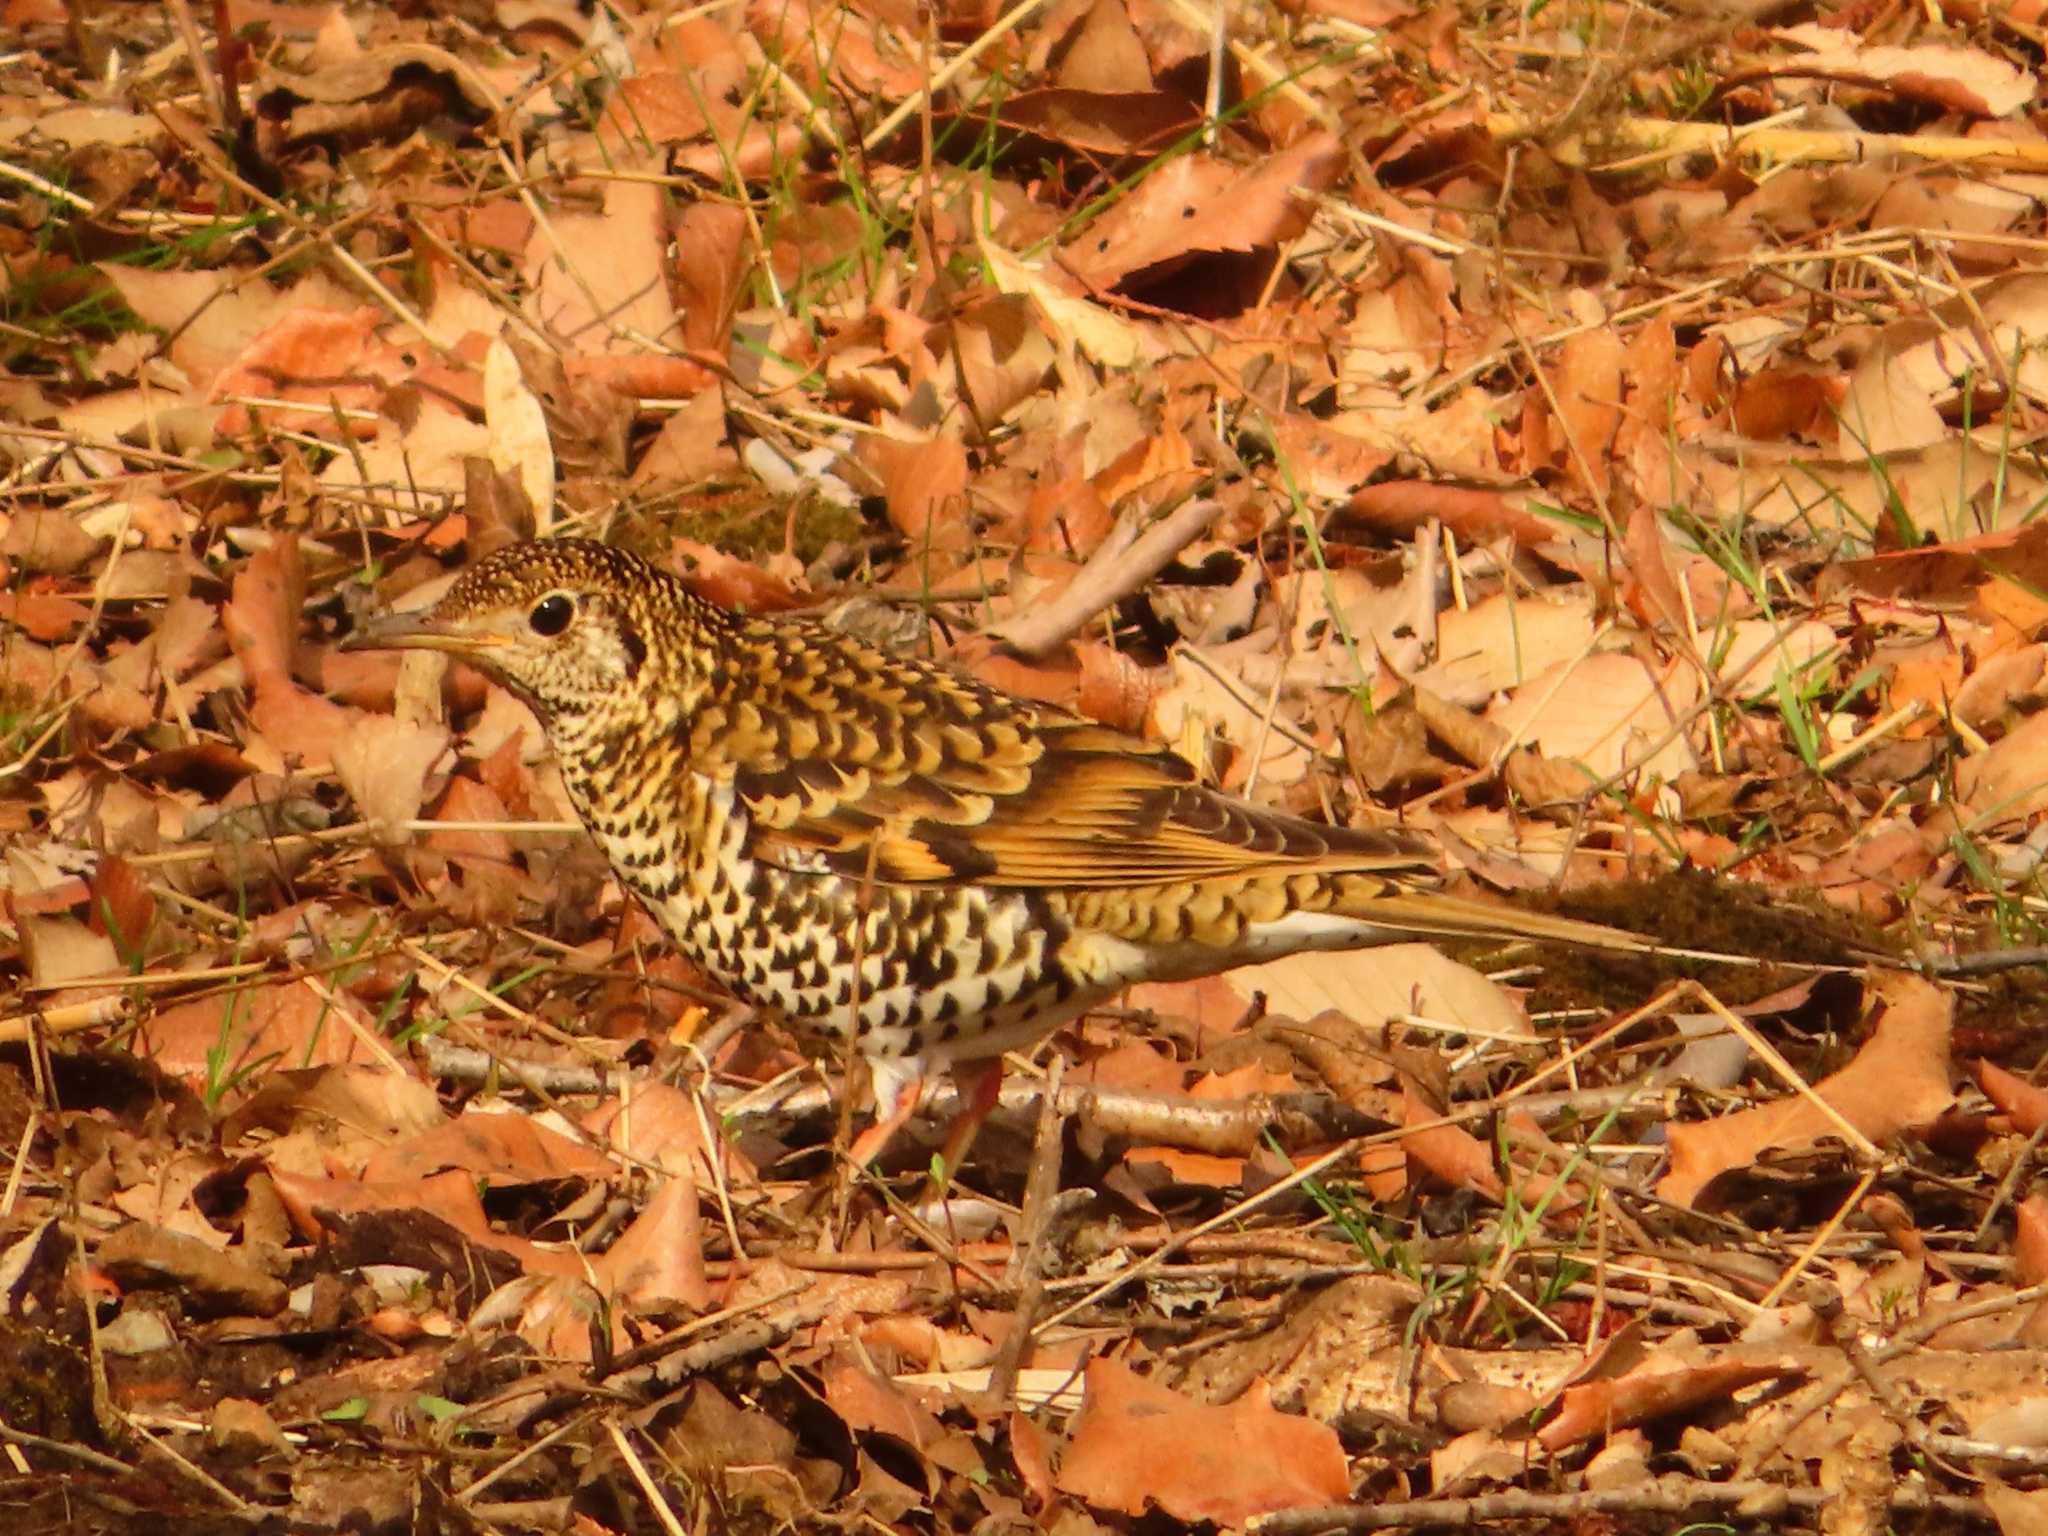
<point>421,631</point>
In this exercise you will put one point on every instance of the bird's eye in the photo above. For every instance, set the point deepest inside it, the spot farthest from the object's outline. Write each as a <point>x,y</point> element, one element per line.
<point>551,614</point>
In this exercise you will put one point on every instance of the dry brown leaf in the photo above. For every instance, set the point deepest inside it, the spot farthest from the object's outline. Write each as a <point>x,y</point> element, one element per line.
<point>1616,714</point>
<point>1375,985</point>
<point>482,883</point>
<point>1651,591</point>
<point>322,360</point>
<point>46,542</point>
<point>2018,1513</point>
<point>2010,782</point>
<point>1588,395</point>
<point>1114,688</point>
<point>1135,1444</point>
<point>1390,750</point>
<point>42,615</point>
<point>251,1031</point>
<point>1104,54</point>
<point>1950,569</point>
<point>602,277</point>
<point>123,906</point>
<point>383,764</point>
<point>1751,654</point>
<point>1003,353</point>
<point>212,316</point>
<point>320,1206</point>
<point>1200,1170</point>
<point>1896,392</point>
<point>1097,122</point>
<point>61,950</point>
<point>871,1403</point>
<point>372,94</point>
<point>520,445</point>
<point>495,1148</point>
<point>664,1130</point>
<point>926,487</point>
<point>2000,683</point>
<point>1598,1408</point>
<point>1504,640</point>
<point>1134,1065</point>
<point>690,448</point>
<point>1198,708</point>
<point>731,582</point>
<point>1777,403</point>
<point>2026,1104</point>
<point>1543,783</point>
<point>1196,203</point>
<point>211,1282</point>
<point>1399,507</point>
<point>351,1109</point>
<point>1105,337</point>
<point>1955,78</point>
<point>659,1260</point>
<point>1898,1082</point>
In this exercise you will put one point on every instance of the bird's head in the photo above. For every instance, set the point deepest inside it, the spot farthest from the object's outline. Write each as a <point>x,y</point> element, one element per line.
<point>566,624</point>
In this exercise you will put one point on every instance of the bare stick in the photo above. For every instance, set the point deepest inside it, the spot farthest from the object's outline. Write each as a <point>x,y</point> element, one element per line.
<point>1124,562</point>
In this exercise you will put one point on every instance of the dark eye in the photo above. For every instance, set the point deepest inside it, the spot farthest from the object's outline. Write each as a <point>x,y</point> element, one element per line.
<point>551,614</point>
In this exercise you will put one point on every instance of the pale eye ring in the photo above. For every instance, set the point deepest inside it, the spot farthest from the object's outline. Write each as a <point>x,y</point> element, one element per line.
<point>551,615</point>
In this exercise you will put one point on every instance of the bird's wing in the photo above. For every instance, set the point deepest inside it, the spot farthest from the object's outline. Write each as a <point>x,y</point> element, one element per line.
<point>953,782</point>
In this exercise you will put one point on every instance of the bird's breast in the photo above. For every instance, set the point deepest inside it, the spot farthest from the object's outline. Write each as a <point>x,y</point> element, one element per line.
<point>910,970</point>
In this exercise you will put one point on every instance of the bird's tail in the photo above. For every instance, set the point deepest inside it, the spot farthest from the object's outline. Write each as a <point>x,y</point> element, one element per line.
<point>1432,914</point>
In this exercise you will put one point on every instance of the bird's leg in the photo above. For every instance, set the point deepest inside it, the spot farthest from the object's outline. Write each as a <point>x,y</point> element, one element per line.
<point>979,1085</point>
<point>893,1110</point>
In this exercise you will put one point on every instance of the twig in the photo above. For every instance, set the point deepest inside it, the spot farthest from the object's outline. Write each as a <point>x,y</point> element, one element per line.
<point>1004,25</point>
<point>1984,962</point>
<point>1124,562</point>
<point>1232,1214</point>
<point>91,1458</point>
<point>650,1490</point>
<point>196,1474</point>
<point>1225,1127</point>
<point>1026,1268</point>
<point>1669,139</point>
<point>73,1018</point>
<point>470,1066</point>
<point>1665,1496</point>
<point>1842,1333</point>
<point>751,1339</point>
<point>1825,1391</point>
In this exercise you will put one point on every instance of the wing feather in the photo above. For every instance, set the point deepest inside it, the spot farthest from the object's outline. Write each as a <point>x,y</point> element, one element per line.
<point>957,782</point>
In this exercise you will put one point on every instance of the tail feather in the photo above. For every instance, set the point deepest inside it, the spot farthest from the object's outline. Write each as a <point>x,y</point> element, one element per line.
<point>1430,914</point>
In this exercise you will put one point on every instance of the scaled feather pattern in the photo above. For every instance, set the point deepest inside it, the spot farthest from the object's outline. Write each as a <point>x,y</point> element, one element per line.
<point>887,847</point>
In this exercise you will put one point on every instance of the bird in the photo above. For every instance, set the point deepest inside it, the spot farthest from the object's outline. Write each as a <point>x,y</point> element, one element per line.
<point>889,852</point>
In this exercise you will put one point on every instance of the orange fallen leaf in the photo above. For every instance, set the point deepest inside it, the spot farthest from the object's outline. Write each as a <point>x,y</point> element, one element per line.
<point>1135,1444</point>
<point>1598,1408</point>
<point>42,615</point>
<point>496,1149</point>
<point>2030,1240</point>
<point>1899,1081</point>
<point>2021,1100</point>
<point>659,1259</point>
<point>245,1033</point>
<point>1399,507</point>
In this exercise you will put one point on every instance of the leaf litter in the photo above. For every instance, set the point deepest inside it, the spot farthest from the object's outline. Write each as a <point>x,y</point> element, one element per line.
<point>1604,439</point>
